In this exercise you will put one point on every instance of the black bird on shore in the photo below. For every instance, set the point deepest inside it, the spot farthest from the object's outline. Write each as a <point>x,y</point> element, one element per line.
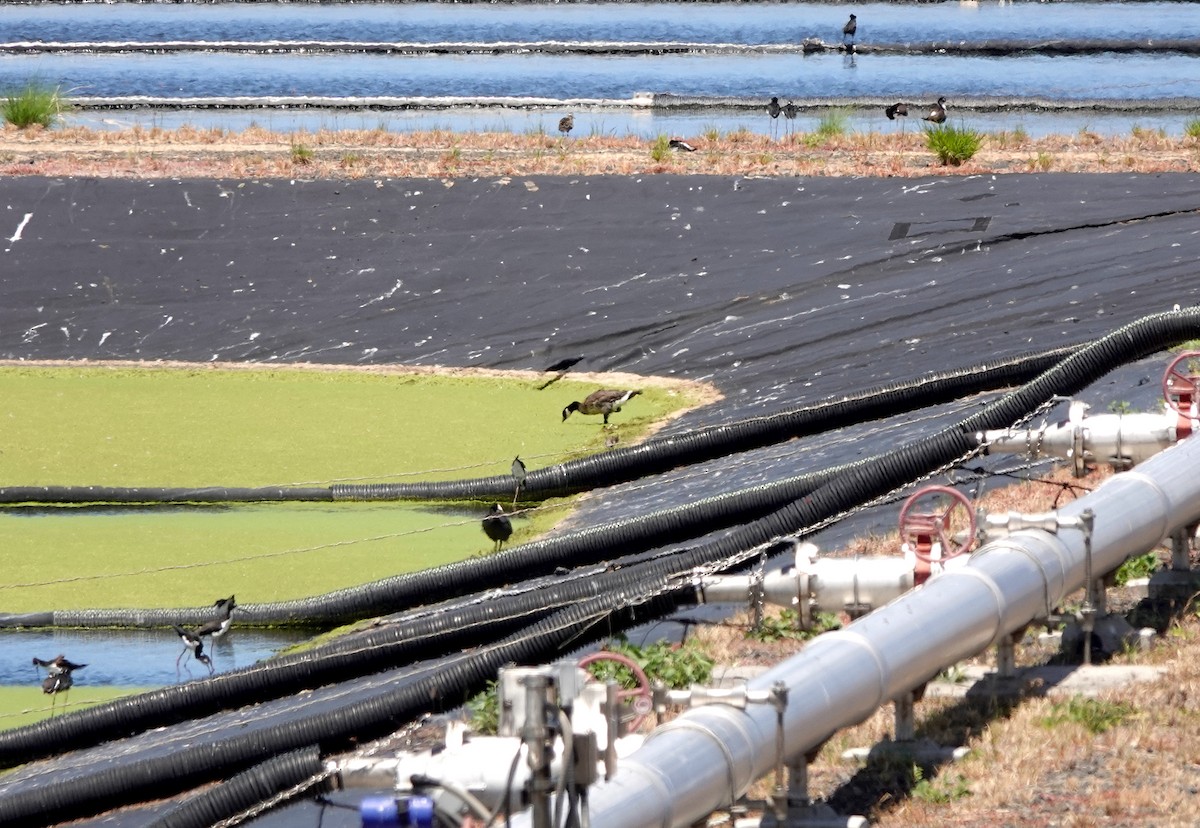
<point>773,109</point>
<point>680,145</point>
<point>937,112</point>
<point>218,625</point>
<point>566,124</point>
<point>497,526</point>
<point>789,112</point>
<point>849,30</point>
<point>603,402</point>
<point>896,109</point>
<point>559,369</point>
<point>193,643</point>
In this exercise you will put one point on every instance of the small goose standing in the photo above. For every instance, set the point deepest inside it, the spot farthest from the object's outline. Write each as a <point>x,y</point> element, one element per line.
<point>497,526</point>
<point>937,112</point>
<point>600,402</point>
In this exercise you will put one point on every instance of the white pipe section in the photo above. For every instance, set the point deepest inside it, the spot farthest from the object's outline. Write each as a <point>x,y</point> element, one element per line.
<point>697,763</point>
<point>1120,440</point>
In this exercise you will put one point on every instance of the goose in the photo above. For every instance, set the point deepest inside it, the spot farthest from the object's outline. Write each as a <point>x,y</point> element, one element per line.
<point>600,402</point>
<point>497,526</point>
<point>896,109</point>
<point>937,112</point>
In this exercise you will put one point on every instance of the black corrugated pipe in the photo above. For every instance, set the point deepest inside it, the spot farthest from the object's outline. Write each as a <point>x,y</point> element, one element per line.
<point>245,790</point>
<point>400,592</point>
<point>107,786</point>
<point>619,465</point>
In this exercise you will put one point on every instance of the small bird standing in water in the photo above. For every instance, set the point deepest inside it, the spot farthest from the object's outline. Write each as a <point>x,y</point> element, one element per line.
<point>600,402</point>
<point>937,112</point>
<point>849,30</point>
<point>565,125</point>
<point>497,526</point>
<point>790,110</point>
<point>59,678</point>
<point>193,643</point>
<point>219,624</point>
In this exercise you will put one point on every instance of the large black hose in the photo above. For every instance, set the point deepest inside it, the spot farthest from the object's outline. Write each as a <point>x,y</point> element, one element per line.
<point>244,790</point>
<point>531,560</point>
<point>620,465</point>
<point>652,596</point>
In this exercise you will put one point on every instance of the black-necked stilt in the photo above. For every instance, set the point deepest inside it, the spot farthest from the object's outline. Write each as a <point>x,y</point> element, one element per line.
<point>790,111</point>
<point>565,125</point>
<point>59,679</point>
<point>680,145</point>
<point>518,473</point>
<point>194,644</point>
<point>219,624</point>
<point>937,112</point>
<point>773,109</point>
<point>849,30</point>
<point>497,526</point>
<point>600,402</point>
<point>896,109</point>
<point>58,665</point>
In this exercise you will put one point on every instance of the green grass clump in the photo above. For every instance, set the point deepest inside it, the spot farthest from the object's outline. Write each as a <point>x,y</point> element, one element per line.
<point>1096,715</point>
<point>1139,566</point>
<point>833,123</point>
<point>1192,128</point>
<point>661,149</point>
<point>34,105</point>
<point>952,145</point>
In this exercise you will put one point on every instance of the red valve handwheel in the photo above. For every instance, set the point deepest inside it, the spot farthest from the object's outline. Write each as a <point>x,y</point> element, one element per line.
<point>642,695</point>
<point>936,523</point>
<point>1178,386</point>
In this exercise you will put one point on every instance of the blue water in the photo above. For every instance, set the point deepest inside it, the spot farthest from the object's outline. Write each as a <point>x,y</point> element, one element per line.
<point>759,23</point>
<point>132,658</point>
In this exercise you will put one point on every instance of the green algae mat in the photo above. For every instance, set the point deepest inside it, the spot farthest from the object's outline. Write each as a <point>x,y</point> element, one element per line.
<point>187,425</point>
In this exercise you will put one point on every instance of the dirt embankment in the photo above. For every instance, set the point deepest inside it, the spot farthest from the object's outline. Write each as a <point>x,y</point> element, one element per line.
<point>256,153</point>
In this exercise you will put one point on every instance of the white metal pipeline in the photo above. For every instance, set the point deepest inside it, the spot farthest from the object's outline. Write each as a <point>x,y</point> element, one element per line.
<point>697,763</point>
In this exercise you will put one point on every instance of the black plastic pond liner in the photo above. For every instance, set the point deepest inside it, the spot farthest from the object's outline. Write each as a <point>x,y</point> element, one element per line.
<point>116,784</point>
<point>619,465</point>
<point>246,789</point>
<point>646,593</point>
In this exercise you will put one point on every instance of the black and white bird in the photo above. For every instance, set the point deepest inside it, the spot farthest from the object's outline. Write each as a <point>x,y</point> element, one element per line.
<point>849,30</point>
<point>219,624</point>
<point>937,112</point>
<point>497,526</point>
<point>566,124</point>
<point>58,665</point>
<point>790,110</point>
<point>896,109</point>
<point>191,643</point>
<point>680,145</point>
<point>603,402</point>
<point>518,473</point>
<point>773,109</point>
<point>59,679</point>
